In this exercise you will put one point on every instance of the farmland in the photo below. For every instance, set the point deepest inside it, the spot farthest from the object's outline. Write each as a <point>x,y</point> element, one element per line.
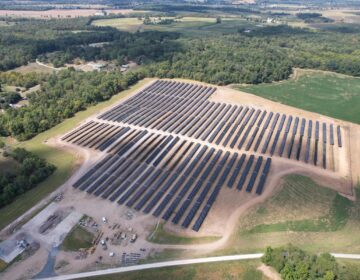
<point>187,25</point>
<point>325,93</point>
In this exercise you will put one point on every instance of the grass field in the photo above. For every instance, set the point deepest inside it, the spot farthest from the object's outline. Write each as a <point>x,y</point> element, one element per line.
<point>244,270</point>
<point>303,213</point>
<point>32,67</point>
<point>161,236</point>
<point>188,25</point>
<point>78,238</point>
<point>326,93</point>
<point>64,161</point>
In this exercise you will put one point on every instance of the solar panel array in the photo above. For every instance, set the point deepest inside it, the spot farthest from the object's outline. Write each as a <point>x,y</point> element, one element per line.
<point>176,179</point>
<point>162,174</point>
<point>184,109</point>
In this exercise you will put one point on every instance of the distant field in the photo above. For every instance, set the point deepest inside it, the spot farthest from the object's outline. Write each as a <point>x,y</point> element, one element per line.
<point>32,67</point>
<point>60,13</point>
<point>303,213</point>
<point>326,93</point>
<point>185,24</point>
<point>240,270</point>
<point>65,162</point>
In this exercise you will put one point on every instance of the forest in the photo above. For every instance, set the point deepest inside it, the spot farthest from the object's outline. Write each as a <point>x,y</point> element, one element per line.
<point>261,56</point>
<point>60,97</point>
<point>31,171</point>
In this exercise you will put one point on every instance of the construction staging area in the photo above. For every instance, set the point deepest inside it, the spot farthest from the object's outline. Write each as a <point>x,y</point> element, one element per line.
<point>170,150</point>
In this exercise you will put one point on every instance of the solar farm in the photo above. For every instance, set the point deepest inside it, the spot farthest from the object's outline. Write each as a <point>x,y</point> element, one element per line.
<point>170,151</point>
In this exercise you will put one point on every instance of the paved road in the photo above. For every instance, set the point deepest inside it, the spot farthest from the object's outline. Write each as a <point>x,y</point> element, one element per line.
<point>177,263</point>
<point>346,256</point>
<point>156,265</point>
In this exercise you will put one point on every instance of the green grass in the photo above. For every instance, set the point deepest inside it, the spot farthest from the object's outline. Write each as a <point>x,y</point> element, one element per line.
<point>245,270</point>
<point>78,238</point>
<point>3,265</point>
<point>334,220</point>
<point>65,162</point>
<point>161,236</point>
<point>303,213</point>
<point>329,94</point>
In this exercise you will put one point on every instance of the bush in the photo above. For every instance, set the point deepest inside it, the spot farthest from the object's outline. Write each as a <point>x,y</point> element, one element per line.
<point>293,263</point>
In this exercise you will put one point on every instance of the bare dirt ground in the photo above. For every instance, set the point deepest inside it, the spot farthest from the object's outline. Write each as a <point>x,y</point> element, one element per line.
<point>222,219</point>
<point>60,13</point>
<point>269,272</point>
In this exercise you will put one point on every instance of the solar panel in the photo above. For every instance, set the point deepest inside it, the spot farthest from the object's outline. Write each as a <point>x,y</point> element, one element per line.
<point>339,136</point>
<point>245,172</point>
<point>236,171</point>
<point>254,174</point>
<point>262,181</point>
<point>332,134</point>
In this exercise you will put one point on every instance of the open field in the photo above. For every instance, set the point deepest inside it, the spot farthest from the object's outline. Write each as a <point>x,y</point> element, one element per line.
<point>302,213</point>
<point>33,67</point>
<point>60,13</point>
<point>326,93</point>
<point>244,270</point>
<point>187,25</point>
<point>65,162</point>
<point>161,236</point>
<point>78,238</point>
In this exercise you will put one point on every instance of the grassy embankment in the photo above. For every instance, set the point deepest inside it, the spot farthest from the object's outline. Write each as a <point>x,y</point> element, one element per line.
<point>310,216</point>
<point>64,161</point>
<point>161,236</point>
<point>326,93</point>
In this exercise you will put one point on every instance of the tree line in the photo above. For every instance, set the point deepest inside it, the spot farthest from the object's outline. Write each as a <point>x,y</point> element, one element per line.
<point>263,55</point>
<point>294,263</point>
<point>31,170</point>
<point>61,95</point>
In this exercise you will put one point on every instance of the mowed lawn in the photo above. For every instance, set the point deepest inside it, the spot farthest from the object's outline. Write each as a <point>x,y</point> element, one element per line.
<point>329,94</point>
<point>303,213</point>
<point>235,270</point>
<point>64,161</point>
